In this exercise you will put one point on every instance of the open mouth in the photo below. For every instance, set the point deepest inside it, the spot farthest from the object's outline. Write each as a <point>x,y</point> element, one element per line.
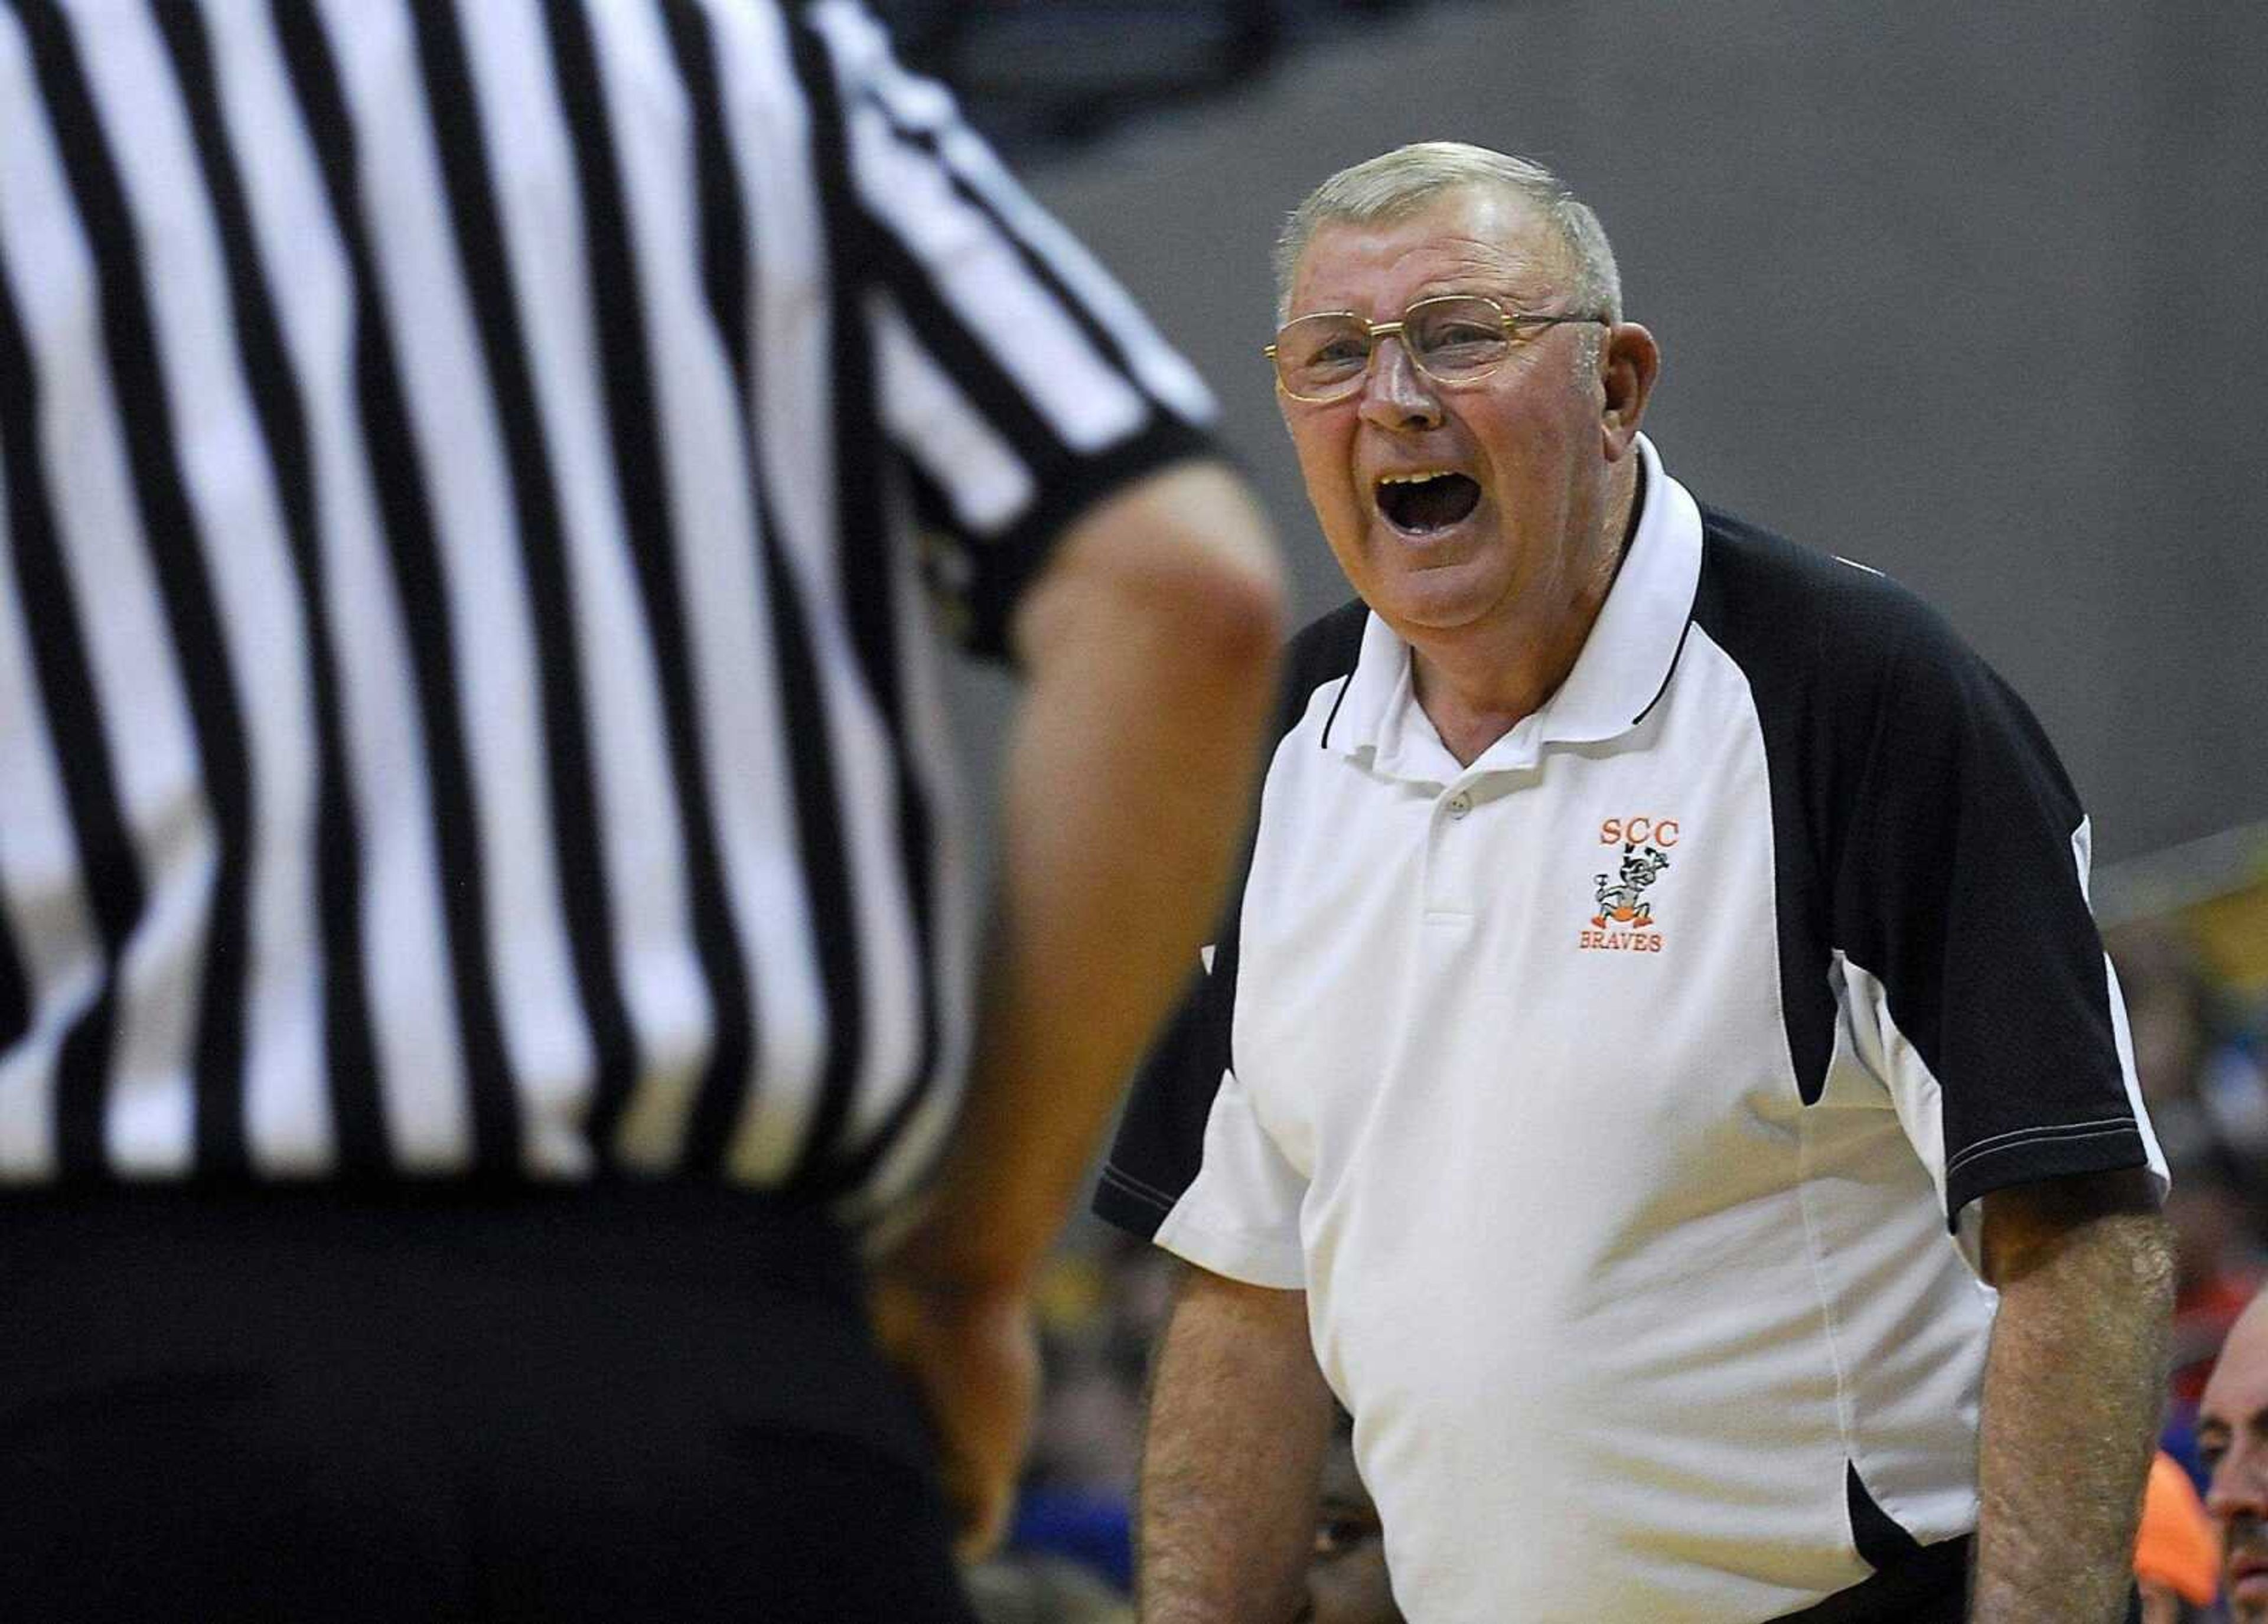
<point>1417,503</point>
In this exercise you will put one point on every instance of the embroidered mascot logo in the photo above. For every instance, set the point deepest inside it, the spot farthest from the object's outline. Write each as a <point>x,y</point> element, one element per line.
<point>1621,901</point>
<point>1625,918</point>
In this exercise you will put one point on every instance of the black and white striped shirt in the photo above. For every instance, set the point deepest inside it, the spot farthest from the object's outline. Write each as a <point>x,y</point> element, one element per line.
<point>466,691</point>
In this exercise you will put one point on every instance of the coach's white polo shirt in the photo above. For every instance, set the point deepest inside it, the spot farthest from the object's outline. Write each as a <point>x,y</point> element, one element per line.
<point>1615,1099</point>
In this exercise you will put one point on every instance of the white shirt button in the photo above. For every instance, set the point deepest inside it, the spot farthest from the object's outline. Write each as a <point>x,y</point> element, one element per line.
<point>1460,804</point>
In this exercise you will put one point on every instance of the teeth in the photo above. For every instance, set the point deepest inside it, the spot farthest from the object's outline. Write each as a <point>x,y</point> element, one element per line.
<point>1412,479</point>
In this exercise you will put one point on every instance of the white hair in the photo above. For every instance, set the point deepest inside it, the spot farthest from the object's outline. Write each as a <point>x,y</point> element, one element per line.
<point>1396,184</point>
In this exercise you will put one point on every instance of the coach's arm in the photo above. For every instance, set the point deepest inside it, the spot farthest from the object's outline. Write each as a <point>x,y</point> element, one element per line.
<point>1239,1419</point>
<point>2073,1387</point>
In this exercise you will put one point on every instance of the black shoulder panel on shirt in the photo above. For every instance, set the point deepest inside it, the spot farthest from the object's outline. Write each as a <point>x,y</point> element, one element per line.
<point>1325,651</point>
<point>1771,604</point>
<point>1160,1140</point>
<point>1925,827</point>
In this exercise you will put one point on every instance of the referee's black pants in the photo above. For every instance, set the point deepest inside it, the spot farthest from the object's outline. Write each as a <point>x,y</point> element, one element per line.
<point>616,1405</point>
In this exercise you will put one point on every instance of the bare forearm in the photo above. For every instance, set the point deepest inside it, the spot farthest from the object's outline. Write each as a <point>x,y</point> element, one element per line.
<point>1240,1418</point>
<point>2073,1390</point>
<point>1151,660</point>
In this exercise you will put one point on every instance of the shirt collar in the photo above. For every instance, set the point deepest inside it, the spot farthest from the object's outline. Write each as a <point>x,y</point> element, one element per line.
<point>1623,668</point>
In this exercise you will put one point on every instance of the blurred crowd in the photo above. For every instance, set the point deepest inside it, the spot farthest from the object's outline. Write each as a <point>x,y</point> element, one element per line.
<point>2201,1052</point>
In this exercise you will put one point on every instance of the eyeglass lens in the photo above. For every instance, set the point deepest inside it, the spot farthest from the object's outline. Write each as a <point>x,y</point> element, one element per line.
<point>1452,340</point>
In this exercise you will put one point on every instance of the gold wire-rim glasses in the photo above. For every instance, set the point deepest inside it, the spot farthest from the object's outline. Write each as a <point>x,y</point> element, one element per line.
<point>1427,357</point>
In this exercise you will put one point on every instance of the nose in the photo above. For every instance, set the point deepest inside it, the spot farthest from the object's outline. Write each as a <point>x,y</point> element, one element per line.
<point>1396,395</point>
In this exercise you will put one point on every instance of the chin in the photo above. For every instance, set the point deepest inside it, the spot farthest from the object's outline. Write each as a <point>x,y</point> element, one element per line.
<point>1445,595</point>
<point>1438,613</point>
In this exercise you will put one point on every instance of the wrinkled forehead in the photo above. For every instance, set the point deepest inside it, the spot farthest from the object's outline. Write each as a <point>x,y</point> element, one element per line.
<point>2238,1387</point>
<point>1475,240</point>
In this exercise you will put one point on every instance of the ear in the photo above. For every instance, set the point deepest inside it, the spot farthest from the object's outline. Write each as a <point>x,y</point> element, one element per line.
<point>1629,362</point>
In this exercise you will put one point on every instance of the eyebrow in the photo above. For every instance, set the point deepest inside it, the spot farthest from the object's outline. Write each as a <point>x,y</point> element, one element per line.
<point>2258,1419</point>
<point>1512,303</point>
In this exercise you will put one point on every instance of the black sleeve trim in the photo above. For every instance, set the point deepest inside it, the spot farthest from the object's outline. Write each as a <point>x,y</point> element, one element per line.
<point>1018,555</point>
<point>2056,1152</point>
<point>1122,1199</point>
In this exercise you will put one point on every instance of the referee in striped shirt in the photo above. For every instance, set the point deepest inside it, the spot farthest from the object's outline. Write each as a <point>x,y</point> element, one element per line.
<point>494,1098</point>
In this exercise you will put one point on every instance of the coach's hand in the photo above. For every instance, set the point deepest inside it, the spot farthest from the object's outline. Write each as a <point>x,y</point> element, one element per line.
<point>973,1356</point>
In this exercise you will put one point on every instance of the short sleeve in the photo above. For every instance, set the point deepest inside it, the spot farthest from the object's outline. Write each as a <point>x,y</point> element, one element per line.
<point>1240,1217</point>
<point>1975,973</point>
<point>1016,381</point>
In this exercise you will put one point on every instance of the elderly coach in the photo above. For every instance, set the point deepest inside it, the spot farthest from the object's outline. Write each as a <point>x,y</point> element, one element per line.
<point>1661,1072</point>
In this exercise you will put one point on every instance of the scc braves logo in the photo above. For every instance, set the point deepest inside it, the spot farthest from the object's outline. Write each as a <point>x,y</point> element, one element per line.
<point>1624,921</point>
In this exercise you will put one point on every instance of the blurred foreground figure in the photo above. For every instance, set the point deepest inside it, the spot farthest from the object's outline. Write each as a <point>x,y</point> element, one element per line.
<point>486,974</point>
<point>2232,1434</point>
<point>1661,999</point>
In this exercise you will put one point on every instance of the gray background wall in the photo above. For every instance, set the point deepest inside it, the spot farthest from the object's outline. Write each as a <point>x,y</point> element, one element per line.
<point>1970,292</point>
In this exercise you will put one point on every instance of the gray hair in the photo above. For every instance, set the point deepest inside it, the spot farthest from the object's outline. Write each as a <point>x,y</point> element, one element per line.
<point>1396,184</point>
